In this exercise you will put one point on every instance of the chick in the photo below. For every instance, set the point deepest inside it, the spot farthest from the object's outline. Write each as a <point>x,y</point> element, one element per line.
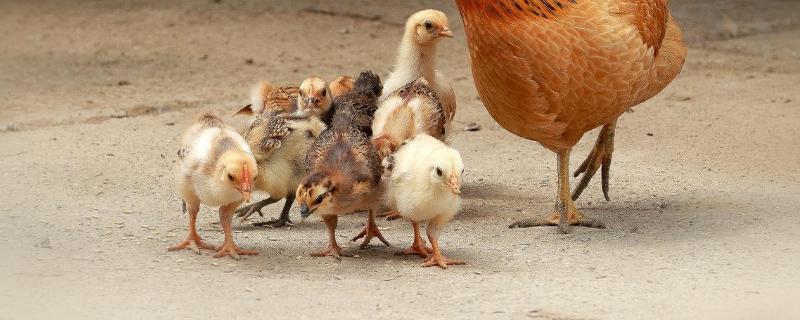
<point>414,108</point>
<point>315,98</point>
<point>359,104</point>
<point>280,143</point>
<point>341,85</point>
<point>217,168</point>
<point>265,97</point>
<point>424,185</point>
<point>417,57</point>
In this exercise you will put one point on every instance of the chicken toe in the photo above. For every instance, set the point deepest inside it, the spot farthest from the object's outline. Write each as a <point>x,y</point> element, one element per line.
<point>283,220</point>
<point>245,212</point>
<point>599,158</point>
<point>370,231</point>
<point>193,243</point>
<point>418,247</point>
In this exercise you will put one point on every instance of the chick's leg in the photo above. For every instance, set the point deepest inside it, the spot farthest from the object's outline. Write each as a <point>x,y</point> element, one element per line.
<point>600,157</point>
<point>245,212</point>
<point>437,259</point>
<point>333,249</point>
<point>193,240</point>
<point>370,230</point>
<point>565,214</point>
<point>418,247</point>
<point>283,220</point>
<point>228,247</point>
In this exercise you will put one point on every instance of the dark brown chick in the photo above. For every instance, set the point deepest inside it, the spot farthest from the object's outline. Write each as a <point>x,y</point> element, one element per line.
<point>357,107</point>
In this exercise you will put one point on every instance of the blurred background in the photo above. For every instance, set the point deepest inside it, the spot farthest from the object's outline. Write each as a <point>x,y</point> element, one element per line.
<point>94,95</point>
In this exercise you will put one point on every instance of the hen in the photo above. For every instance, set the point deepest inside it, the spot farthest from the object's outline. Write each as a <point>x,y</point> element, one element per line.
<point>551,70</point>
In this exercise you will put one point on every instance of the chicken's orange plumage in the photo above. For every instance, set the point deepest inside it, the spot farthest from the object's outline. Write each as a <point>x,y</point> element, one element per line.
<point>551,70</point>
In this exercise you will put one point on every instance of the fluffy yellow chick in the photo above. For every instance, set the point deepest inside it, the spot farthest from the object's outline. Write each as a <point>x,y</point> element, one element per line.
<point>315,98</point>
<point>217,168</point>
<point>425,185</point>
<point>417,57</point>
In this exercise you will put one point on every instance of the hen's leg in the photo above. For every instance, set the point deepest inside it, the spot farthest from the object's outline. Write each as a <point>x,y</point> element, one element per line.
<point>565,214</point>
<point>370,230</point>
<point>228,247</point>
<point>333,249</point>
<point>418,247</point>
<point>245,212</point>
<point>193,240</point>
<point>437,259</point>
<point>283,220</point>
<point>600,157</point>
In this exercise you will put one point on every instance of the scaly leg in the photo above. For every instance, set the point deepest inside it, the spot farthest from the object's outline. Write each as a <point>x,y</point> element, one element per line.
<point>600,157</point>
<point>193,240</point>
<point>370,230</point>
<point>228,247</point>
<point>437,259</point>
<point>565,214</point>
<point>390,215</point>
<point>418,247</point>
<point>245,212</point>
<point>283,220</point>
<point>333,249</point>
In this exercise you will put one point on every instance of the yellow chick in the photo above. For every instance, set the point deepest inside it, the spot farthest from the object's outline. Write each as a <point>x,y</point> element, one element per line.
<point>417,57</point>
<point>315,98</point>
<point>425,185</point>
<point>217,168</point>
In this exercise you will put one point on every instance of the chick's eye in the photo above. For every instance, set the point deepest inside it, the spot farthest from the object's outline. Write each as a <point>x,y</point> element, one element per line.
<point>230,177</point>
<point>324,92</point>
<point>438,172</point>
<point>428,25</point>
<point>319,199</point>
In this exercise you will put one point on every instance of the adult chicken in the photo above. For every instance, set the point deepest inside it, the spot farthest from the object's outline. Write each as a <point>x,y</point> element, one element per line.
<point>551,70</point>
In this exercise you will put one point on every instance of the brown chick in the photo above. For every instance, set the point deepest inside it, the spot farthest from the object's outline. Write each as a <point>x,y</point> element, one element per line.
<point>344,177</point>
<point>280,144</point>
<point>217,169</point>
<point>414,108</point>
<point>315,98</point>
<point>358,106</point>
<point>265,97</point>
<point>341,85</point>
<point>577,65</point>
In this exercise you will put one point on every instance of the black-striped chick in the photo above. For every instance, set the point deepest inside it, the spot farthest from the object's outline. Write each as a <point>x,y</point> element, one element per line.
<point>425,185</point>
<point>217,169</point>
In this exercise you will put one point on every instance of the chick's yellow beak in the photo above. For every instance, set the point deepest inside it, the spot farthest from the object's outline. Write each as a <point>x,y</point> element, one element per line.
<point>445,32</point>
<point>453,184</point>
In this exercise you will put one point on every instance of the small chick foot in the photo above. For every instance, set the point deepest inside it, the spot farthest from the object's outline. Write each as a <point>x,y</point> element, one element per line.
<point>245,212</point>
<point>390,215</point>
<point>230,249</point>
<point>195,244</point>
<point>368,233</point>
<point>441,261</point>
<point>275,223</point>
<point>334,251</point>
<point>574,218</point>
<point>418,248</point>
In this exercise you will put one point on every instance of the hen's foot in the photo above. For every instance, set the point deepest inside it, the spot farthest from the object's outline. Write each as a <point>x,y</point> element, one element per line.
<point>417,248</point>
<point>390,215</point>
<point>599,158</point>
<point>194,243</point>
<point>334,251</point>
<point>275,223</point>
<point>441,261</point>
<point>230,249</point>
<point>370,230</point>
<point>574,218</point>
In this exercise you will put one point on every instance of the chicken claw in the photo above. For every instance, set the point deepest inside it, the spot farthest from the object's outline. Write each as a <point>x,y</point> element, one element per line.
<point>599,158</point>
<point>334,251</point>
<point>370,230</point>
<point>245,212</point>
<point>441,261</point>
<point>283,220</point>
<point>230,249</point>
<point>195,244</point>
<point>418,247</point>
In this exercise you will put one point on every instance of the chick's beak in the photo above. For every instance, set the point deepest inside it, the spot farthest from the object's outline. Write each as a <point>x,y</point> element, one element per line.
<point>304,212</point>
<point>246,189</point>
<point>453,184</point>
<point>312,101</point>
<point>445,32</point>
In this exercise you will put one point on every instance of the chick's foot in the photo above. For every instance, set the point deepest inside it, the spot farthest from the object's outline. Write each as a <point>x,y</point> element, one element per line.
<point>245,212</point>
<point>193,242</point>
<point>441,261</point>
<point>275,223</point>
<point>370,230</point>
<point>230,249</point>
<point>333,250</point>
